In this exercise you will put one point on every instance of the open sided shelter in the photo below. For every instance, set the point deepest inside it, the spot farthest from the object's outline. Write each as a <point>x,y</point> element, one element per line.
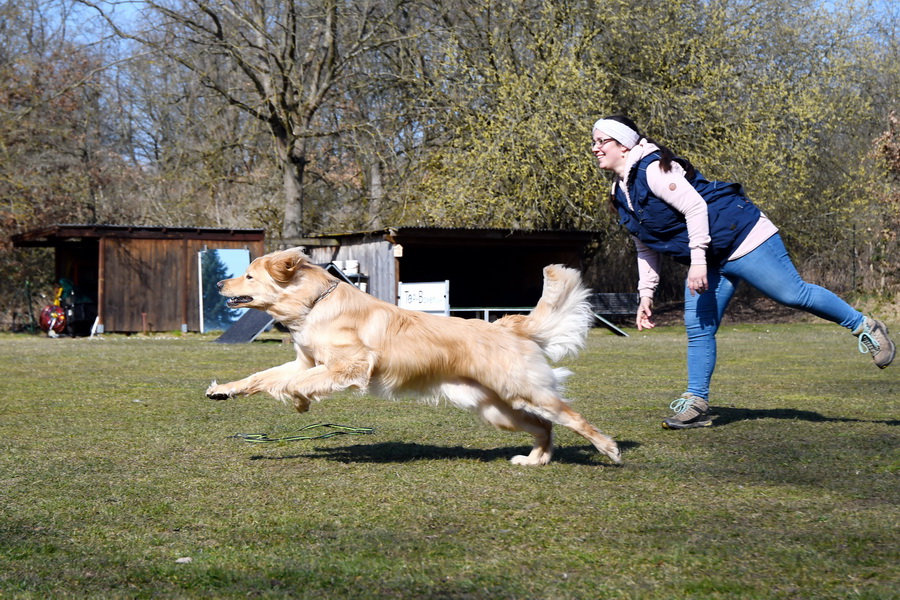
<point>485,267</point>
<point>139,278</point>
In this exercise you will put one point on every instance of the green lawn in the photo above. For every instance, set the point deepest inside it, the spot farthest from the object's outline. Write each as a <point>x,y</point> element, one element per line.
<point>114,466</point>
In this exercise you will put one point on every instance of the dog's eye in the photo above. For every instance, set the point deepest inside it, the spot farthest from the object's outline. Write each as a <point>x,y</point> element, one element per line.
<point>249,276</point>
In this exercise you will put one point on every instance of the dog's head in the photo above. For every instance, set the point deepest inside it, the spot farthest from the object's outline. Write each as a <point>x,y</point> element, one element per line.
<point>270,278</point>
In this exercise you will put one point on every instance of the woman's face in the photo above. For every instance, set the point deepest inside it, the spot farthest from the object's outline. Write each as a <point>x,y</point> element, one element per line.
<point>610,154</point>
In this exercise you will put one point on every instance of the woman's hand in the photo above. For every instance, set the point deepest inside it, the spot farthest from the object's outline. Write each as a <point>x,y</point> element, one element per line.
<point>696,279</point>
<point>643,320</point>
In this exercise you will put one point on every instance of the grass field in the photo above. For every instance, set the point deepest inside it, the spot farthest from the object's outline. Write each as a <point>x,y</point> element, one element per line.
<point>114,466</point>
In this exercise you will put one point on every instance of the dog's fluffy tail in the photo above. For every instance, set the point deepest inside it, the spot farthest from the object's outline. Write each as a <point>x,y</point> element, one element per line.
<point>560,321</point>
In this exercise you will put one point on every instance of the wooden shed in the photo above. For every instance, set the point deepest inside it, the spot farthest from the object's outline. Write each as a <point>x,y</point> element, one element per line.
<point>485,267</point>
<point>139,278</point>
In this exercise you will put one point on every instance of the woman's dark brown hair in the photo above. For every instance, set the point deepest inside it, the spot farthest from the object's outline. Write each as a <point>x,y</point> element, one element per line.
<point>666,156</point>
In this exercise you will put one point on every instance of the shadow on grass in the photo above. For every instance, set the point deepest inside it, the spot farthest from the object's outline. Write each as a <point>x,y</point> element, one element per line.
<point>725,416</point>
<point>402,452</point>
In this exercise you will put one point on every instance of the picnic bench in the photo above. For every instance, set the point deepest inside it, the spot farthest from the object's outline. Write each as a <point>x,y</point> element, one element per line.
<point>612,304</point>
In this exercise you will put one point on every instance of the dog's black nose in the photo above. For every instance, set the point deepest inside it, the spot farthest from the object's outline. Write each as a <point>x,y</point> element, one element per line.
<point>220,284</point>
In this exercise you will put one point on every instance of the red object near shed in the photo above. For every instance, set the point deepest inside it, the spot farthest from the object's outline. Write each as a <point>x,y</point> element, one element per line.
<point>140,278</point>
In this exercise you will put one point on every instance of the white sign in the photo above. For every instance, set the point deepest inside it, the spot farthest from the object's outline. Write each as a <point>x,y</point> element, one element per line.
<point>431,297</point>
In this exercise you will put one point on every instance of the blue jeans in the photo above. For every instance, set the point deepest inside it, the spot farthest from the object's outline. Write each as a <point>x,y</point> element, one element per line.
<point>769,269</point>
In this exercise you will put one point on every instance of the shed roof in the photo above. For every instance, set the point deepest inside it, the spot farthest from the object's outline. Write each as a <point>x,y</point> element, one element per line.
<point>55,235</point>
<point>434,236</point>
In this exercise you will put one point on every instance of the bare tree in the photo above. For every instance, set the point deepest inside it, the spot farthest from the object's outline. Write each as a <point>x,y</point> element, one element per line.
<point>293,59</point>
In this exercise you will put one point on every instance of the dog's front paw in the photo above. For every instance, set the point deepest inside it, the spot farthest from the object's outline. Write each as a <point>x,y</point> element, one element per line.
<point>218,392</point>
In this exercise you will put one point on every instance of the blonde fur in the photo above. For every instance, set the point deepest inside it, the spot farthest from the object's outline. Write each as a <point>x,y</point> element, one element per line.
<point>346,339</point>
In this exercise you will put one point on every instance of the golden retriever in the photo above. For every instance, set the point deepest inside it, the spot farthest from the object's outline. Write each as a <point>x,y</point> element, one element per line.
<point>347,339</point>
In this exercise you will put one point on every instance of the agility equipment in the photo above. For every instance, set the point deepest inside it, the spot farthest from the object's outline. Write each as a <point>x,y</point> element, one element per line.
<point>262,438</point>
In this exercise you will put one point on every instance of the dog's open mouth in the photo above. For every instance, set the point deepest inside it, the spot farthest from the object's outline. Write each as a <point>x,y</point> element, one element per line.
<point>238,300</point>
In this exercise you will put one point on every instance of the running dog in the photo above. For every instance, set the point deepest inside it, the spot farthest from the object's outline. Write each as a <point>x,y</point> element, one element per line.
<point>347,339</point>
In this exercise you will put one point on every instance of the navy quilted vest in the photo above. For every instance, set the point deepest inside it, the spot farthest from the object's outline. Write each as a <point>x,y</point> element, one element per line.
<point>731,216</point>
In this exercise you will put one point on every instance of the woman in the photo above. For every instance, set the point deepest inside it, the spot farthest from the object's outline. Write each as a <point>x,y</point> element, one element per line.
<point>671,209</point>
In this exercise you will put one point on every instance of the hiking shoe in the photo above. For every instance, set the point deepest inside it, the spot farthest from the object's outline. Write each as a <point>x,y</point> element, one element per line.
<point>874,340</point>
<point>690,411</point>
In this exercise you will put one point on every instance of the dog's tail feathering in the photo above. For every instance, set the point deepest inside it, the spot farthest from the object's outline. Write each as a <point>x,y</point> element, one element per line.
<point>560,321</point>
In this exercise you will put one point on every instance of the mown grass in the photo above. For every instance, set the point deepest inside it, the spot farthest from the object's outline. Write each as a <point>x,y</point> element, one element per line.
<point>113,465</point>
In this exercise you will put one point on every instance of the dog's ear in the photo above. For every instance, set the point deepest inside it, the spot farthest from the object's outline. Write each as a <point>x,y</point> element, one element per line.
<point>284,265</point>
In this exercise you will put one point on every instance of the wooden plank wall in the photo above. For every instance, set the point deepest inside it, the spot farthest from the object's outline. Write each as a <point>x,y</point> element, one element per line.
<point>376,259</point>
<point>156,279</point>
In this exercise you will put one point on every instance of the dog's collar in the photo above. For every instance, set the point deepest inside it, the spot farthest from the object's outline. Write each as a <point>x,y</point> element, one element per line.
<point>326,292</point>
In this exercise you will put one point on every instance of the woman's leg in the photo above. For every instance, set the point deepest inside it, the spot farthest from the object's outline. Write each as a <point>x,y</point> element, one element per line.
<point>702,316</point>
<point>770,270</point>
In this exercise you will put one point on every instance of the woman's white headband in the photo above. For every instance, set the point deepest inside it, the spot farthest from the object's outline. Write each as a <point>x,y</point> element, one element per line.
<point>620,132</point>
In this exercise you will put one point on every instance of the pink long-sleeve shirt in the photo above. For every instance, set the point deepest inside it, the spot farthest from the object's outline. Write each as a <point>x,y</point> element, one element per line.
<point>673,189</point>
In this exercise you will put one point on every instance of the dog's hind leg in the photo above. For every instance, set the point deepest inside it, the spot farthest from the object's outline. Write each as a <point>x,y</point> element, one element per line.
<point>503,416</point>
<point>574,421</point>
<point>559,412</point>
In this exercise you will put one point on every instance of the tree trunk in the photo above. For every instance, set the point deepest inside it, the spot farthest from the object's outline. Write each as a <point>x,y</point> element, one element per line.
<point>293,165</point>
<point>376,193</point>
<point>292,227</point>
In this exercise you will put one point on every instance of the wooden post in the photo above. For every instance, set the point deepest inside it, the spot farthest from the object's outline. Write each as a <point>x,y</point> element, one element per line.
<point>101,286</point>
<point>186,268</point>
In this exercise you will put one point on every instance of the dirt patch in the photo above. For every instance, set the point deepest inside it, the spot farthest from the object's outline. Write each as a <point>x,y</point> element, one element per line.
<point>762,310</point>
<point>750,310</point>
